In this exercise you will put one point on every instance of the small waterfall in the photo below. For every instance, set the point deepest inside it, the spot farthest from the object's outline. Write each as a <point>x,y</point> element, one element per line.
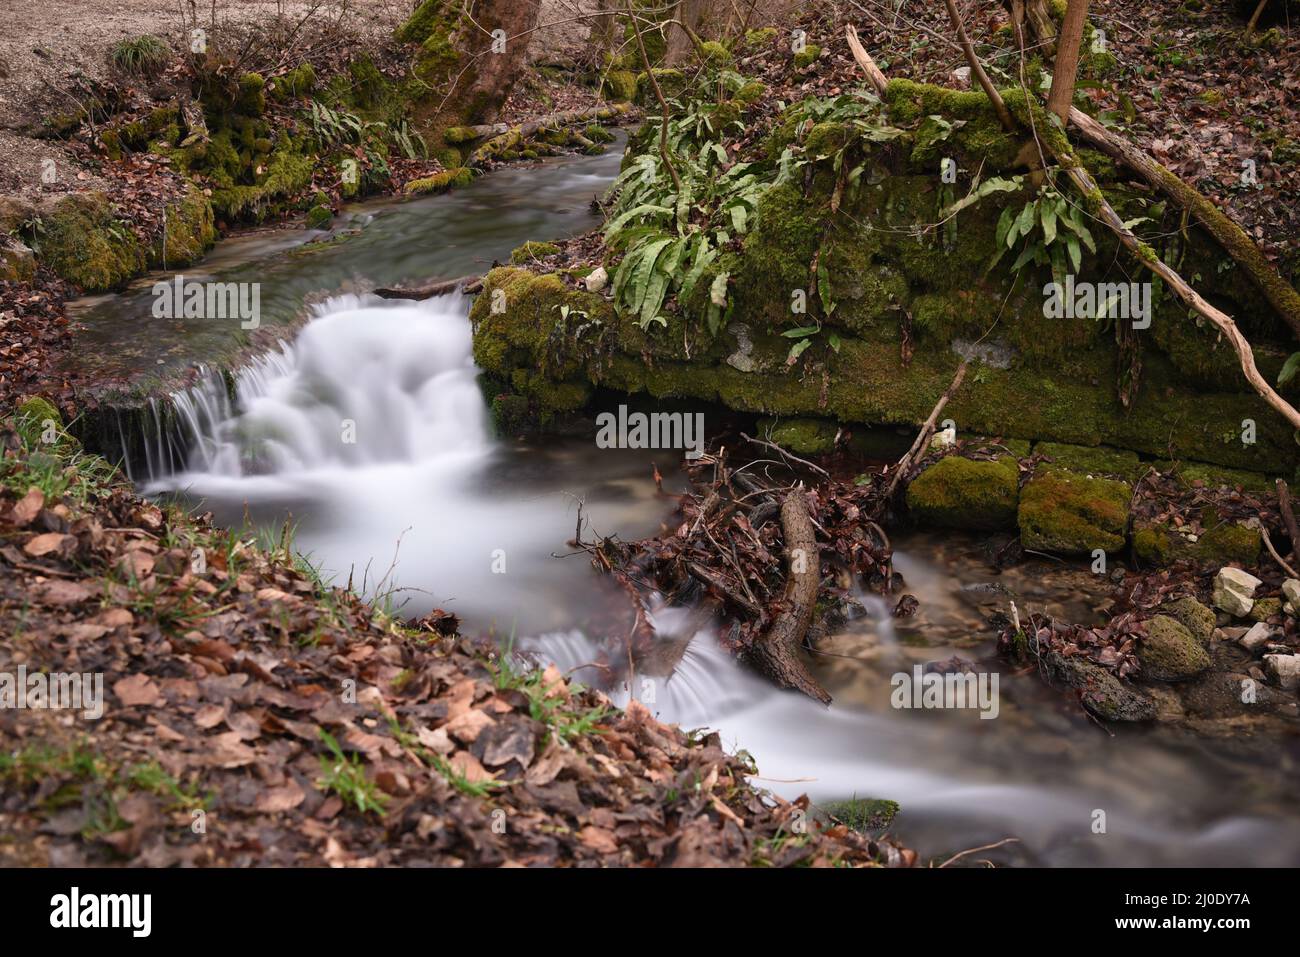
<point>367,381</point>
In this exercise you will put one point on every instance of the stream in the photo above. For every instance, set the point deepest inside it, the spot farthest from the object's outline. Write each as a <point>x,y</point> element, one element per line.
<point>425,501</point>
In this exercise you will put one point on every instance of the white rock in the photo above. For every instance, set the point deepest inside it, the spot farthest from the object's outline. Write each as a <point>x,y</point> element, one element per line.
<point>1234,591</point>
<point>944,438</point>
<point>596,279</point>
<point>1256,638</point>
<point>1284,669</point>
<point>962,76</point>
<point>1291,595</point>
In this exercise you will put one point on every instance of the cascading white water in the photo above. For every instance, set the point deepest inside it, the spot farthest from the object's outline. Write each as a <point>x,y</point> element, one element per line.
<point>370,429</point>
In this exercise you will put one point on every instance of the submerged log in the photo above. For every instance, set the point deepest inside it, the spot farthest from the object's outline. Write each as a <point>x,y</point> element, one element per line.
<point>776,653</point>
<point>428,290</point>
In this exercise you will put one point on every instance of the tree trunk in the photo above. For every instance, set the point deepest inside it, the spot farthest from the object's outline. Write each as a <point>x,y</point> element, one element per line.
<point>488,40</point>
<point>1066,69</point>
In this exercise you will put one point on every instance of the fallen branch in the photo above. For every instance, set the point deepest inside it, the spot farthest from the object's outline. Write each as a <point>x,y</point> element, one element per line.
<point>1280,293</point>
<point>1092,194</point>
<point>864,60</point>
<point>977,69</point>
<point>776,652</point>
<point>428,290</point>
<point>927,430</point>
<point>514,136</point>
<point>780,451</point>
<point>1288,518</point>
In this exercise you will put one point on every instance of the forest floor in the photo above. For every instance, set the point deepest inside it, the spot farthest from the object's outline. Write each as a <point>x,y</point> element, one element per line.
<point>252,714</point>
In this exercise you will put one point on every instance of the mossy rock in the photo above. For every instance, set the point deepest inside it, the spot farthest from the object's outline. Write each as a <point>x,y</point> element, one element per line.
<point>713,53</point>
<point>531,251</point>
<point>1265,608</point>
<point>1192,615</point>
<point>299,81</point>
<point>1100,692</point>
<point>190,232</point>
<point>1073,515</point>
<point>807,55</point>
<point>1094,460</point>
<point>1170,652</point>
<point>511,415</point>
<point>83,242</point>
<point>1222,544</point>
<point>957,492</point>
<point>17,263</point>
<point>750,92</point>
<point>41,426</point>
<point>319,217</point>
<point>802,436</point>
<point>619,85</point>
<point>519,329</point>
<point>673,83</point>
<point>441,182</point>
<point>1194,474</point>
<point>761,37</point>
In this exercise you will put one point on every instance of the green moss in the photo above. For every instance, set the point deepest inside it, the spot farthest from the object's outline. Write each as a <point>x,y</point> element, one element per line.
<point>1163,544</point>
<point>673,83</point>
<point>803,436</point>
<point>299,81</point>
<point>619,85</point>
<point>1095,460</point>
<point>1265,608</point>
<point>428,19</point>
<point>1170,652</point>
<point>1192,615</point>
<point>760,38</point>
<point>441,182</point>
<point>530,251</point>
<point>38,420</point>
<point>83,242</point>
<point>319,217</point>
<point>751,91</point>
<point>962,493</point>
<point>190,232</point>
<point>807,55</point>
<point>523,339</point>
<point>714,53</point>
<point>1071,514</point>
<point>285,173</point>
<point>460,134</point>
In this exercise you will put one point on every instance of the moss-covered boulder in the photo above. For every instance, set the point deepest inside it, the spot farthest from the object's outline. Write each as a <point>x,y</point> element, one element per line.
<point>531,251</point>
<point>1096,460</point>
<point>1100,692</point>
<point>619,85</point>
<point>1197,618</point>
<point>1162,543</point>
<point>189,232</point>
<point>807,55</point>
<point>81,240</point>
<point>1170,652</point>
<point>1072,514</point>
<point>803,436</point>
<point>521,323</point>
<point>957,492</point>
<point>17,262</point>
<point>41,426</point>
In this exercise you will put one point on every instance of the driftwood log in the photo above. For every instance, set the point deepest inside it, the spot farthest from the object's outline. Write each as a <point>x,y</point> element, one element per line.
<point>428,290</point>
<point>776,652</point>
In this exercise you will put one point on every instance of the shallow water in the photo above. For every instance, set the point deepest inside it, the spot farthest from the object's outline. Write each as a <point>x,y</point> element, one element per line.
<point>423,499</point>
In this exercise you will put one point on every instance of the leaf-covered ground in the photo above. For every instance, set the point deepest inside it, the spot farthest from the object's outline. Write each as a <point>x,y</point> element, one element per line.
<point>253,715</point>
